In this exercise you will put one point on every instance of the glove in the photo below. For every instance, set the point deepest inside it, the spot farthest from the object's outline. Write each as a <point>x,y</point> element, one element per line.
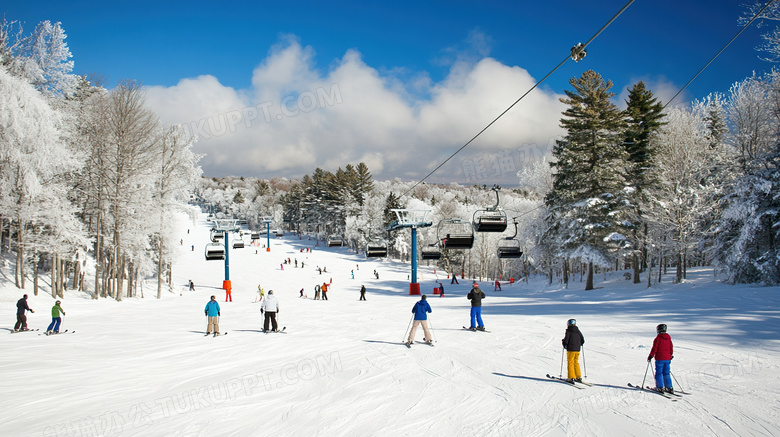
<point>32,311</point>
<point>262,311</point>
<point>649,358</point>
<point>672,357</point>
<point>219,313</point>
<point>206,313</point>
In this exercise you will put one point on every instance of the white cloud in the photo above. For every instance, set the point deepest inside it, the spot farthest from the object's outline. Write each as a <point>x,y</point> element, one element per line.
<point>663,89</point>
<point>295,118</point>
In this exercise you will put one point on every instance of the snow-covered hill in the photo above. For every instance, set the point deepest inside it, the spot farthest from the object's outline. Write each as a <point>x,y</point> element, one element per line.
<point>143,367</point>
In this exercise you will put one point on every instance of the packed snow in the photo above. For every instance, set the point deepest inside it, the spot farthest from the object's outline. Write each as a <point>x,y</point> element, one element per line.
<point>143,366</point>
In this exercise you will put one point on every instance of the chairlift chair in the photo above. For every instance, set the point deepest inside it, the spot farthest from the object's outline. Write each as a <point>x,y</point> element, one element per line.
<point>214,251</point>
<point>217,235</point>
<point>430,251</point>
<point>509,247</point>
<point>490,219</point>
<point>238,243</point>
<point>335,240</point>
<point>376,249</point>
<point>455,234</point>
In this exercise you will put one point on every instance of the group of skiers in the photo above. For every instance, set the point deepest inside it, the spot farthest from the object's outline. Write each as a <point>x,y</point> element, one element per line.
<point>572,341</point>
<point>21,316</point>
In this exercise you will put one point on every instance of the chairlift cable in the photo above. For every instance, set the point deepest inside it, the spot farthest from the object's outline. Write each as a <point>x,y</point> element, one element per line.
<point>581,48</point>
<point>718,54</point>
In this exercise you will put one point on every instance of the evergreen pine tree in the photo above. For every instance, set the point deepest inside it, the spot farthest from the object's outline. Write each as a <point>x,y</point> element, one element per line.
<point>643,118</point>
<point>588,201</point>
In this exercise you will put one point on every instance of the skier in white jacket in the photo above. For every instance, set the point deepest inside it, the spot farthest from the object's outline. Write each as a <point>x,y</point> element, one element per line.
<point>270,307</point>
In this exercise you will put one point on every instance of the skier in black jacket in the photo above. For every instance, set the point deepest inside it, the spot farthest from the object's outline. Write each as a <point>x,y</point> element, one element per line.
<point>572,342</point>
<point>21,318</point>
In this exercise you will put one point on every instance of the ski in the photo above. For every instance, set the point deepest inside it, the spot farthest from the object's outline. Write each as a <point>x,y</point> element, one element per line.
<point>408,344</point>
<point>216,334</point>
<point>24,330</point>
<point>666,393</point>
<point>584,383</point>
<point>57,333</point>
<point>281,331</point>
<point>429,343</point>
<point>555,378</point>
<point>648,390</point>
<point>475,329</point>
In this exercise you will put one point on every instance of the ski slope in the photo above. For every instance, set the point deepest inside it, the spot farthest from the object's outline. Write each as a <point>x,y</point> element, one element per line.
<point>143,367</point>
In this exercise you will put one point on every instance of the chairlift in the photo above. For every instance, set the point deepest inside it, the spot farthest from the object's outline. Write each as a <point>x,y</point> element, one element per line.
<point>490,219</point>
<point>376,249</point>
<point>509,247</point>
<point>238,243</point>
<point>335,240</point>
<point>217,235</point>
<point>214,251</point>
<point>255,235</point>
<point>455,233</point>
<point>430,251</point>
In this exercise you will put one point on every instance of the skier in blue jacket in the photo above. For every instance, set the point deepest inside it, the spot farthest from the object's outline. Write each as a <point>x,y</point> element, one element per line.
<point>213,313</point>
<point>421,310</point>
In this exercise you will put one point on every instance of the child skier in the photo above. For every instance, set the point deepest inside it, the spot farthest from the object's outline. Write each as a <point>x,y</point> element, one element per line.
<point>572,342</point>
<point>662,351</point>
<point>420,310</point>
<point>55,319</point>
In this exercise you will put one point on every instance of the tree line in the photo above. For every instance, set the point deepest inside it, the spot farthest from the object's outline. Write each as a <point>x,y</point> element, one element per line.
<point>89,177</point>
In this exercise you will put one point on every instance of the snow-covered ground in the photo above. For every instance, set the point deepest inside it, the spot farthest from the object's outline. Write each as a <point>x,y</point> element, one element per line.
<point>143,367</point>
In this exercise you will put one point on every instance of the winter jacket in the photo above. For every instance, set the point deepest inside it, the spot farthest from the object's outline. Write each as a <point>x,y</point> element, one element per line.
<point>270,304</point>
<point>573,340</point>
<point>476,295</point>
<point>56,310</point>
<point>212,308</point>
<point>21,306</point>
<point>662,348</point>
<point>421,309</point>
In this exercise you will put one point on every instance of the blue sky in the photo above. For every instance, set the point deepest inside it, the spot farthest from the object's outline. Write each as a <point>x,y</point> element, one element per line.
<point>416,58</point>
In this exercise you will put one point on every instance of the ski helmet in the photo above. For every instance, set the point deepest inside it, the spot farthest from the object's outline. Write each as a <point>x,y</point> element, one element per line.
<point>571,322</point>
<point>424,297</point>
<point>660,328</point>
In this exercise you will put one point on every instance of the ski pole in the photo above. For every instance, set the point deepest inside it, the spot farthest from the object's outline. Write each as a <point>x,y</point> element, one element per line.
<point>584,368</point>
<point>645,377</point>
<point>679,387</point>
<point>407,327</point>
<point>563,351</point>
<point>433,334</point>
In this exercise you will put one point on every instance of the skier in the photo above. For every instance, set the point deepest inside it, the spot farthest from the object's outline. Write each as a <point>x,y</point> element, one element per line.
<point>362,292</point>
<point>497,285</point>
<point>572,342</point>
<point>21,318</point>
<point>353,274</point>
<point>261,293</point>
<point>454,279</point>
<point>270,307</point>
<point>212,312</point>
<point>317,292</point>
<point>663,353</point>
<point>55,319</point>
<point>192,285</point>
<point>301,292</point>
<point>324,289</point>
<point>420,310</point>
<point>476,295</point>
<point>441,290</point>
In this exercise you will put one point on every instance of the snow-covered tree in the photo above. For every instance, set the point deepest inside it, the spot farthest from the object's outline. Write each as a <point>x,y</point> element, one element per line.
<point>33,158</point>
<point>43,58</point>
<point>588,205</point>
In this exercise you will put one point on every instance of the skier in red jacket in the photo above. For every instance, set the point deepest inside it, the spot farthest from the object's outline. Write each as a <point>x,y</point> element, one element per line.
<point>663,353</point>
